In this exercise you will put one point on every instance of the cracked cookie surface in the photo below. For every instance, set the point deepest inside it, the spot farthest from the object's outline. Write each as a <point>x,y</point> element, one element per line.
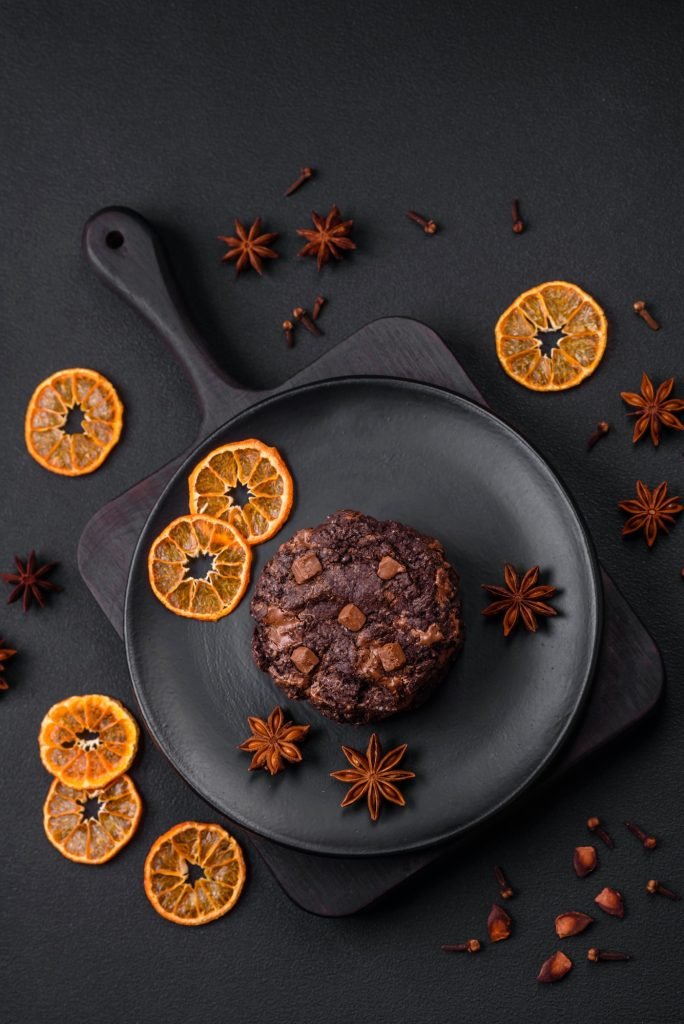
<point>361,618</point>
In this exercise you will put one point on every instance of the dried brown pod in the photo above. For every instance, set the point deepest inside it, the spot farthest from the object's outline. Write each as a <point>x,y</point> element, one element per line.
<point>555,968</point>
<point>584,860</point>
<point>651,511</point>
<point>29,581</point>
<point>654,408</point>
<point>374,776</point>
<point>328,237</point>
<point>499,924</point>
<point>274,741</point>
<point>610,901</point>
<point>572,923</point>
<point>249,246</point>
<point>522,599</point>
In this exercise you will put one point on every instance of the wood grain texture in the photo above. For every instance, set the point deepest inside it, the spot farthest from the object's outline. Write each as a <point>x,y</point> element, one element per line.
<point>629,675</point>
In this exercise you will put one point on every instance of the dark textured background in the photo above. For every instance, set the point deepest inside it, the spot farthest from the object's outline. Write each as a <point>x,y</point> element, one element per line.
<point>194,114</point>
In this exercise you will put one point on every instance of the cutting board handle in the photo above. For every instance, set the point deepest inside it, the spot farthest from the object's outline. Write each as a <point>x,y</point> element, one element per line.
<point>127,254</point>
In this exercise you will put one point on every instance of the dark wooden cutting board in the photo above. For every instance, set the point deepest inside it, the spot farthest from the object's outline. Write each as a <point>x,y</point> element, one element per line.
<point>126,254</point>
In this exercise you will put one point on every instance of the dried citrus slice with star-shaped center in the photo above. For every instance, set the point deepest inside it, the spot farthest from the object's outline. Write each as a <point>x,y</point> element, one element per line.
<point>199,567</point>
<point>87,838</point>
<point>85,742</point>
<point>552,307</point>
<point>206,852</point>
<point>50,436</point>
<point>253,468</point>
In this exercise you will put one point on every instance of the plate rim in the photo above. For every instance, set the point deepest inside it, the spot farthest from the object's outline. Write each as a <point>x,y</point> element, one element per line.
<point>323,849</point>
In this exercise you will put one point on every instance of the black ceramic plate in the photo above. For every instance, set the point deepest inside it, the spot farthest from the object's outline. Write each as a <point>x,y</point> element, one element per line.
<point>434,460</point>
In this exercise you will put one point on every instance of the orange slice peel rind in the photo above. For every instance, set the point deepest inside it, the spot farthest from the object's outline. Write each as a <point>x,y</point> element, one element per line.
<point>258,469</point>
<point>553,306</point>
<point>87,741</point>
<point>73,454</point>
<point>169,565</point>
<point>92,840</point>
<point>207,847</point>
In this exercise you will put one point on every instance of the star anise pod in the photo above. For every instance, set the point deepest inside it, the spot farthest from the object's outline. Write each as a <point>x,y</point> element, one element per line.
<point>523,599</point>
<point>655,408</point>
<point>652,510</point>
<point>5,654</point>
<point>250,247</point>
<point>329,238</point>
<point>373,776</point>
<point>273,741</point>
<point>29,581</point>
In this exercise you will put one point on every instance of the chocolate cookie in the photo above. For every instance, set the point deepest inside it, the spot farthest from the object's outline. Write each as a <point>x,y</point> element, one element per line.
<point>359,617</point>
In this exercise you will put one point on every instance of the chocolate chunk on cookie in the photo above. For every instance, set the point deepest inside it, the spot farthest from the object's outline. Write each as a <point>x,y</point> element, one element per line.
<point>306,567</point>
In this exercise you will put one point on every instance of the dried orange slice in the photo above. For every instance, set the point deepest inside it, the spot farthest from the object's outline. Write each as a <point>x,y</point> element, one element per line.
<point>217,890</point>
<point>256,468</point>
<point>219,590</point>
<point>87,839</point>
<point>85,742</point>
<point>554,306</point>
<point>73,454</point>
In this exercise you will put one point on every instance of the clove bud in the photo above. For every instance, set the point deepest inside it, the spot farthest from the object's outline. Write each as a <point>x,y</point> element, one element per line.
<point>610,901</point>
<point>648,842</point>
<point>505,887</point>
<point>288,330</point>
<point>471,946</point>
<point>594,825</point>
<point>518,223</point>
<point>640,309</point>
<point>555,968</point>
<point>584,860</point>
<point>304,175</point>
<point>657,887</point>
<point>427,223</point>
<point>602,429</point>
<point>499,924</point>
<point>572,923</point>
<point>304,318</point>
<point>605,954</point>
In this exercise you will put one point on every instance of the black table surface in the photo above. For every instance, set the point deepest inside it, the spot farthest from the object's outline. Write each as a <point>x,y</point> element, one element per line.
<point>198,113</point>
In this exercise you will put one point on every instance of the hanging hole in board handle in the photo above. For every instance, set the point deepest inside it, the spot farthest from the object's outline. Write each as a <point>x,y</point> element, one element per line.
<point>114,239</point>
<point>126,253</point>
